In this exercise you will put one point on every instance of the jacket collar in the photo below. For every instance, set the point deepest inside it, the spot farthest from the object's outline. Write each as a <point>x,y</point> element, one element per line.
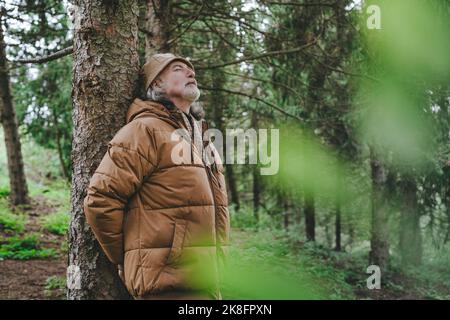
<point>144,108</point>
<point>168,113</point>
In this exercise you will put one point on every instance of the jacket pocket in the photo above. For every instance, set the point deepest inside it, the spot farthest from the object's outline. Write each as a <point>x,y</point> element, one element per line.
<point>177,242</point>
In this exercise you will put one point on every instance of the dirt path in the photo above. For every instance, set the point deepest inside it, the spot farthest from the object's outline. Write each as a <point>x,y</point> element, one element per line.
<point>26,280</point>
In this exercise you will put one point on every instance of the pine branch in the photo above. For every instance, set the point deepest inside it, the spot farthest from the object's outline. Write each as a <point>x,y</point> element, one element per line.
<point>259,56</point>
<point>53,56</point>
<point>343,71</point>
<point>171,41</point>
<point>255,98</point>
<point>319,4</point>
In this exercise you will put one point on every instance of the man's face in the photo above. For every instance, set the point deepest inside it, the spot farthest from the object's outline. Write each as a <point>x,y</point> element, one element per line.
<point>178,81</point>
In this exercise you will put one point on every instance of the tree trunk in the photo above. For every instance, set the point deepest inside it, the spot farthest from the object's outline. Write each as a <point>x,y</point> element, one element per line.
<point>337,222</point>
<point>62,164</point>
<point>282,203</point>
<point>310,219</point>
<point>17,180</point>
<point>379,243</point>
<point>157,27</point>
<point>337,227</point>
<point>256,192</point>
<point>256,175</point>
<point>410,233</point>
<point>218,103</point>
<point>447,203</point>
<point>286,208</point>
<point>297,213</point>
<point>106,67</point>
<point>229,172</point>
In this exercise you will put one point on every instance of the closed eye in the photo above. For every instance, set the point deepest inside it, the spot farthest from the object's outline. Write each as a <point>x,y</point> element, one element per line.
<point>177,68</point>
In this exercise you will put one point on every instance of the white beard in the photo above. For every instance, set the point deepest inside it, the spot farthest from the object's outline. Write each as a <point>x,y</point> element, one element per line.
<point>191,93</point>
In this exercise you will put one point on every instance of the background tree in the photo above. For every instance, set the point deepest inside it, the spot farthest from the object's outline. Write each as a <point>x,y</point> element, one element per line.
<point>18,184</point>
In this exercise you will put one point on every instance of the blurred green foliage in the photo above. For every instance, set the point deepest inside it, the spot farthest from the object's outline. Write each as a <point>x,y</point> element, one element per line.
<point>24,248</point>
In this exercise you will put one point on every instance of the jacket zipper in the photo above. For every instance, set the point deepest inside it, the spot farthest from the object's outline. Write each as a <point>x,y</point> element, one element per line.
<point>208,173</point>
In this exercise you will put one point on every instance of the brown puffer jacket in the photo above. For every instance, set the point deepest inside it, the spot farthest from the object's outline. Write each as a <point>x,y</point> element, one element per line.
<point>167,223</point>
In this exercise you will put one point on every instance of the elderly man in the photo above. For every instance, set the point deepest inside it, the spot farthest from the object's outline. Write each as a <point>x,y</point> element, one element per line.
<point>162,221</point>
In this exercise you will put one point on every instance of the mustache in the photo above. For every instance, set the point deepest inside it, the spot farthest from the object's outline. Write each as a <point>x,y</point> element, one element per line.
<point>191,82</point>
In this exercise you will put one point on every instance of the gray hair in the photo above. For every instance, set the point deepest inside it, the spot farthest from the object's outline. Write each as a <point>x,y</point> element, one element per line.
<point>156,94</point>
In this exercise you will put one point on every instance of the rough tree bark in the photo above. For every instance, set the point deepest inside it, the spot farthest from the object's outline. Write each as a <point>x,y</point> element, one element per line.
<point>17,181</point>
<point>158,27</point>
<point>105,74</point>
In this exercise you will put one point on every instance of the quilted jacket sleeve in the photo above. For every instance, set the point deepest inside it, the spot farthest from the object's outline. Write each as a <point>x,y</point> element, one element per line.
<point>129,160</point>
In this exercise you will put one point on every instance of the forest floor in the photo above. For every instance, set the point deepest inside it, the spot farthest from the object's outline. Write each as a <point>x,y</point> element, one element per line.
<point>309,271</point>
<point>265,267</point>
<point>23,276</point>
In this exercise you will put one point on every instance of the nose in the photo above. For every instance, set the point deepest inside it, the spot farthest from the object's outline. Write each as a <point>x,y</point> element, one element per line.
<point>191,73</point>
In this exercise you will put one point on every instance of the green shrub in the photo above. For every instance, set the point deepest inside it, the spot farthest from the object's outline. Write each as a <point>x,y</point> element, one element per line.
<point>24,248</point>
<point>242,219</point>
<point>245,219</point>
<point>57,223</point>
<point>55,287</point>
<point>9,220</point>
<point>4,191</point>
<point>55,282</point>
